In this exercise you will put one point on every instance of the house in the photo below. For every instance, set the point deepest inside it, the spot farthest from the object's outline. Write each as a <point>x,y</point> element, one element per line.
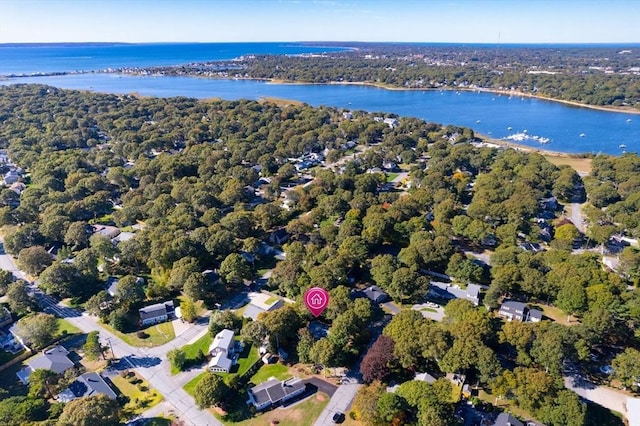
<point>506,419</point>
<point>375,294</point>
<point>279,236</point>
<point>154,314</point>
<point>222,350</point>
<point>11,177</point>
<point>518,311</point>
<point>55,359</point>
<point>111,286</point>
<point>88,384</point>
<point>108,231</point>
<point>261,302</point>
<point>274,392</point>
<point>447,291</point>
<point>512,310</point>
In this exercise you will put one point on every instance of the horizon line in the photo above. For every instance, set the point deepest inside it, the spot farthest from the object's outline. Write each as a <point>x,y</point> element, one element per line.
<point>607,43</point>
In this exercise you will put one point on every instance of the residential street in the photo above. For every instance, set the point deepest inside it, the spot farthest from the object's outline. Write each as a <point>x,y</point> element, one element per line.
<point>150,363</point>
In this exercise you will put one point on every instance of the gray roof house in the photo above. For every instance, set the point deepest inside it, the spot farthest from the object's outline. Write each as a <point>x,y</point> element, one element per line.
<point>154,314</point>
<point>506,419</point>
<point>273,392</point>
<point>88,384</point>
<point>375,294</point>
<point>55,359</point>
<point>447,291</point>
<point>222,351</point>
<point>512,310</point>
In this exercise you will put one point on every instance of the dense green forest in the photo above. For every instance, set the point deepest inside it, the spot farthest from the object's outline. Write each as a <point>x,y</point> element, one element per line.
<point>186,173</point>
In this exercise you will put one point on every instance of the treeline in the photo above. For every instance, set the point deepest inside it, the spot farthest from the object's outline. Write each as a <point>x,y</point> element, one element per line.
<point>185,171</point>
<point>593,76</point>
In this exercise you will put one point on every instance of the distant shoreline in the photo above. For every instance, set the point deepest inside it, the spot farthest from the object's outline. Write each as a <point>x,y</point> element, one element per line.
<point>623,110</point>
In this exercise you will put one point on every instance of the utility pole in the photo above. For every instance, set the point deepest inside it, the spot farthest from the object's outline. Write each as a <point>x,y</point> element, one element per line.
<point>111,347</point>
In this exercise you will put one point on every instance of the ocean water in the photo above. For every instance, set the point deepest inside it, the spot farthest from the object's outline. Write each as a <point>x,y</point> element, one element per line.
<point>24,59</point>
<point>527,121</point>
<point>533,122</point>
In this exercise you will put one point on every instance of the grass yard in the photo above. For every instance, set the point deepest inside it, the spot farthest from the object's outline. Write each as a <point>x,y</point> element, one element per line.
<point>580,165</point>
<point>391,177</point>
<point>555,314</point>
<point>301,414</point>
<point>158,421</point>
<point>159,334</point>
<point>427,310</point>
<point>248,357</point>
<point>141,398</point>
<point>279,371</point>
<point>64,325</point>
<point>191,351</point>
<point>190,386</point>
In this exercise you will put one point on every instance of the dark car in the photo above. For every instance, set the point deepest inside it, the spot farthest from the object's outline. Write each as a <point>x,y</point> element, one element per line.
<point>338,417</point>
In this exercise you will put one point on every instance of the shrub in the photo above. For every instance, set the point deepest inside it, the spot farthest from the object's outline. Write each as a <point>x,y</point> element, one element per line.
<point>142,335</point>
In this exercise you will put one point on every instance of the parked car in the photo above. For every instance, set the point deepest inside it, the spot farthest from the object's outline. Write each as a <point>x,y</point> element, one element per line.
<point>338,417</point>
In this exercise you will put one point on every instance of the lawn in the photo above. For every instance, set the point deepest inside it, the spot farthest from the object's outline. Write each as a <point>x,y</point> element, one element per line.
<point>199,306</point>
<point>248,357</point>
<point>391,177</point>
<point>302,414</point>
<point>141,398</point>
<point>279,371</point>
<point>555,314</point>
<point>158,335</point>
<point>64,325</point>
<point>427,310</point>
<point>190,386</point>
<point>191,351</point>
<point>580,165</point>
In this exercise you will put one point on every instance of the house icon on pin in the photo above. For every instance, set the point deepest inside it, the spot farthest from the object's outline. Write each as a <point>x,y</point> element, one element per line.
<point>316,300</point>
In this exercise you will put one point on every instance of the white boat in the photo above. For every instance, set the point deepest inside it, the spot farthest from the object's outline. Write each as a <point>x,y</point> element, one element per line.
<point>509,128</point>
<point>582,135</point>
<point>628,120</point>
<point>622,146</point>
<point>477,121</point>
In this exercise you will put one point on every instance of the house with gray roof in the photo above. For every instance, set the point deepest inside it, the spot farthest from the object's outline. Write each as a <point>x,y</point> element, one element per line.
<point>506,419</point>
<point>88,384</point>
<point>375,294</point>
<point>513,310</point>
<point>55,359</point>
<point>274,392</point>
<point>448,291</point>
<point>154,314</point>
<point>223,351</point>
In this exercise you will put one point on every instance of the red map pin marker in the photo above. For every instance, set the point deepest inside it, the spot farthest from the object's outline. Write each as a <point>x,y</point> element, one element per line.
<point>316,299</point>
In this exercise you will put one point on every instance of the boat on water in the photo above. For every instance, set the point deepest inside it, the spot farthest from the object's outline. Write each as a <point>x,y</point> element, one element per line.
<point>582,135</point>
<point>622,146</point>
<point>509,128</point>
<point>628,120</point>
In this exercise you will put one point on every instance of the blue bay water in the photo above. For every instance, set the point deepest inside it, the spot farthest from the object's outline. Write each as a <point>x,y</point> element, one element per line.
<point>48,58</point>
<point>569,129</point>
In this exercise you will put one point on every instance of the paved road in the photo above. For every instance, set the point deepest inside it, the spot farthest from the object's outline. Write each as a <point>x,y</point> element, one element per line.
<point>150,363</point>
<point>577,217</point>
<point>601,395</point>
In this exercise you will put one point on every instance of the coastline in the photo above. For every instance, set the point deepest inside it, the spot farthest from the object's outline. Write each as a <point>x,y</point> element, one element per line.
<point>622,110</point>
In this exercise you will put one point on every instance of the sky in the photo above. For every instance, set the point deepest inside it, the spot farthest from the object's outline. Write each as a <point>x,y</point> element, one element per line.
<point>455,21</point>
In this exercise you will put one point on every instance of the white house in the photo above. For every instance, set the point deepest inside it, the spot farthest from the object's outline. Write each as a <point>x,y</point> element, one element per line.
<point>157,313</point>
<point>274,392</point>
<point>223,352</point>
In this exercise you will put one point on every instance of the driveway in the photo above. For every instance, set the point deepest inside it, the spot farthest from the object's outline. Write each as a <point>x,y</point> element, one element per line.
<point>340,402</point>
<point>322,385</point>
<point>436,314</point>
